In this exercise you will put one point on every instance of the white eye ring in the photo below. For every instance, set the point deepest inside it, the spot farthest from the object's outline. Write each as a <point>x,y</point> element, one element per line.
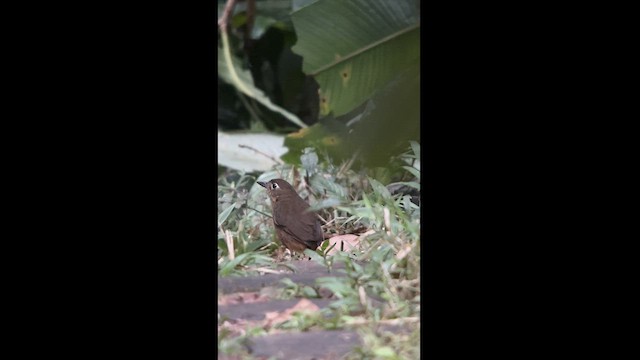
<point>274,186</point>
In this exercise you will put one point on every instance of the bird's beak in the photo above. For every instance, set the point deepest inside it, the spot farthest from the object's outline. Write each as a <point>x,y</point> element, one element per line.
<point>263,184</point>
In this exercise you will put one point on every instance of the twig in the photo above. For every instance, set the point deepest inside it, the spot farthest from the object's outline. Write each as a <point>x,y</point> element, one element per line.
<point>260,152</point>
<point>387,220</point>
<point>228,237</point>
<point>305,179</point>
<point>259,211</point>
<point>248,106</point>
<point>323,220</point>
<point>251,16</point>
<point>224,19</point>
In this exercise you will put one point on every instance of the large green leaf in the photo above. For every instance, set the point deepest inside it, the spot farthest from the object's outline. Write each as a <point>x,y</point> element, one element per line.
<point>328,137</point>
<point>391,119</point>
<point>354,47</point>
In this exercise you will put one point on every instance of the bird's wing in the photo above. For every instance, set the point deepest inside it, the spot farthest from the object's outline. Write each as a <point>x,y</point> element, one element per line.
<point>304,226</point>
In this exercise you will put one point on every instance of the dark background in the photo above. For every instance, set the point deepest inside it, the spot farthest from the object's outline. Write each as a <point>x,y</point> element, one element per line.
<point>121,113</point>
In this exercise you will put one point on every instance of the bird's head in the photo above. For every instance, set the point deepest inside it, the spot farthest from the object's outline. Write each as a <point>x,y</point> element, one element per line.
<point>277,189</point>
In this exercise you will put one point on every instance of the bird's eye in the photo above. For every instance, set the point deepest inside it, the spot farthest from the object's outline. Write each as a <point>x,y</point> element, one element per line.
<point>274,186</point>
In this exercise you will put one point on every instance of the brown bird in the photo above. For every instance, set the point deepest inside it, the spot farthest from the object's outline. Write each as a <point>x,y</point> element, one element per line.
<point>296,228</point>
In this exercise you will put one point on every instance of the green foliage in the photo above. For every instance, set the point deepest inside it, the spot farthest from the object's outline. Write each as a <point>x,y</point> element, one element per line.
<point>303,321</point>
<point>229,343</point>
<point>381,282</point>
<point>368,73</point>
<point>293,290</point>
<point>358,166</point>
<point>230,71</point>
<point>265,85</point>
<point>250,236</point>
<point>385,344</point>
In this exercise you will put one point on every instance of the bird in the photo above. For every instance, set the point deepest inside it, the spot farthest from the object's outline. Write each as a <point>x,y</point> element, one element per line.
<point>296,228</point>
